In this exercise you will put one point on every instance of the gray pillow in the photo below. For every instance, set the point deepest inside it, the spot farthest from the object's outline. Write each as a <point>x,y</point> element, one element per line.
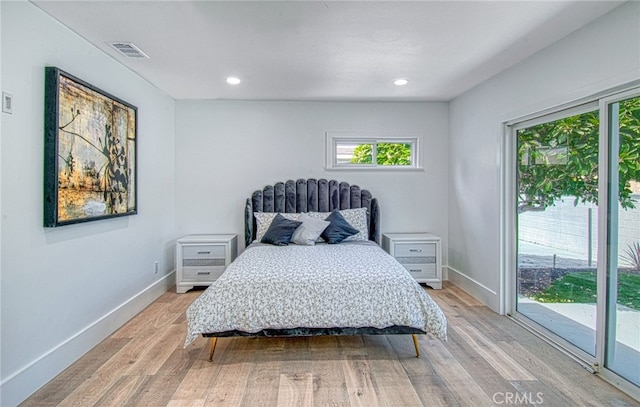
<point>357,218</point>
<point>338,230</point>
<point>309,231</point>
<point>264,219</point>
<point>280,231</point>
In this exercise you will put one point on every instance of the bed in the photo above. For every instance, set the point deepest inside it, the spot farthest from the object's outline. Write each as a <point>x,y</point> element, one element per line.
<point>292,281</point>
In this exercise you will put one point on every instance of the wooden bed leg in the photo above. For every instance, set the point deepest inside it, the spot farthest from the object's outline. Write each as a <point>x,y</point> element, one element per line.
<point>415,344</point>
<point>212,348</point>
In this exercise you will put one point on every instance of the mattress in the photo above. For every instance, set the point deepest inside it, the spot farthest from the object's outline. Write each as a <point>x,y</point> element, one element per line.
<point>346,285</point>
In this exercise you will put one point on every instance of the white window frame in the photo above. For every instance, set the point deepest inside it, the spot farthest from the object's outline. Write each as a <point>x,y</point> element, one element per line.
<point>508,232</point>
<point>332,139</point>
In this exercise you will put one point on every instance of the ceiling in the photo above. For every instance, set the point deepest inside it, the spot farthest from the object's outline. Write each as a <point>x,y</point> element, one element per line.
<point>323,50</point>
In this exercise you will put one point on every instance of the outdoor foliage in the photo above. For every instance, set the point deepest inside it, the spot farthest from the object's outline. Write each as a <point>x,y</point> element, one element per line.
<point>560,158</point>
<point>632,255</point>
<point>387,154</point>
<point>580,288</point>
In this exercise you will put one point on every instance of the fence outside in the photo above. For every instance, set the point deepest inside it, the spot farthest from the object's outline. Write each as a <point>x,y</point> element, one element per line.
<point>573,229</point>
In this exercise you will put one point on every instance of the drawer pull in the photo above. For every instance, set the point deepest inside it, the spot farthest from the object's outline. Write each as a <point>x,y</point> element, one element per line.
<point>416,271</point>
<point>204,252</point>
<point>416,250</point>
<point>204,273</point>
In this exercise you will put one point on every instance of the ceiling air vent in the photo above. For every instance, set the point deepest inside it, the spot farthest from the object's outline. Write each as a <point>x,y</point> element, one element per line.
<point>128,49</point>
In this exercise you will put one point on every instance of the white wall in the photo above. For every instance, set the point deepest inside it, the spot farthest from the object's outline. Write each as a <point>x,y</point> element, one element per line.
<point>65,289</point>
<point>227,150</point>
<point>601,55</point>
<point>0,203</point>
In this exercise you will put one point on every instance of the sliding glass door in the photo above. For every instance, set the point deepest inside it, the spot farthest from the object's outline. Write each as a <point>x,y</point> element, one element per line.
<point>576,217</point>
<point>556,222</point>
<point>621,276</point>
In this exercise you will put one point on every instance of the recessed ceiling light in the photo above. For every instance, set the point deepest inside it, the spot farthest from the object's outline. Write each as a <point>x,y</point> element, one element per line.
<point>400,82</point>
<point>232,80</point>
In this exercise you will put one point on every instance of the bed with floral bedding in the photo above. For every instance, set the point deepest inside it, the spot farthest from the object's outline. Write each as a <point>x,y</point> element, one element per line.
<point>312,266</point>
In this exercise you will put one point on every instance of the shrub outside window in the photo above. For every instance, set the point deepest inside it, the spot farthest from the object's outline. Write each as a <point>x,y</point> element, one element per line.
<point>365,151</point>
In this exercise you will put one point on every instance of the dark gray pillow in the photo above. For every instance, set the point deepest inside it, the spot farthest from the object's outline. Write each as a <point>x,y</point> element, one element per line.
<point>280,231</point>
<point>338,229</point>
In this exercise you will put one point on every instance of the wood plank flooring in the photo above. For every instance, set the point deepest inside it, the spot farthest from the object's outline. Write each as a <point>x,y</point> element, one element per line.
<point>487,361</point>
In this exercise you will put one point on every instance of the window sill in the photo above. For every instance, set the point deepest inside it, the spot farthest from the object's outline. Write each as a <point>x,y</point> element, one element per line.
<point>389,169</point>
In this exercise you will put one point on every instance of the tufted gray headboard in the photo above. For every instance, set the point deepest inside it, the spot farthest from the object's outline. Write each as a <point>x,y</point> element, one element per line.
<point>310,195</point>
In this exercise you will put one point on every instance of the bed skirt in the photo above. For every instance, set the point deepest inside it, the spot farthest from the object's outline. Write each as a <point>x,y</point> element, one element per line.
<point>392,330</point>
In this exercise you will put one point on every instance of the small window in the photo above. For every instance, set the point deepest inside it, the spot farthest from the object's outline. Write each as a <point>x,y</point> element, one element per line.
<point>366,151</point>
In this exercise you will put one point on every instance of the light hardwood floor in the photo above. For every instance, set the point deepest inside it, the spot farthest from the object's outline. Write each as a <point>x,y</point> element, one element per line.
<point>488,360</point>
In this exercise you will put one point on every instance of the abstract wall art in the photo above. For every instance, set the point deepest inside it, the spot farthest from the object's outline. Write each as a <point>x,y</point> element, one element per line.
<point>90,152</point>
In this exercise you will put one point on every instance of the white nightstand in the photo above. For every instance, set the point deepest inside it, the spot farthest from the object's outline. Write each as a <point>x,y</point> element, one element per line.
<point>201,259</point>
<point>419,253</point>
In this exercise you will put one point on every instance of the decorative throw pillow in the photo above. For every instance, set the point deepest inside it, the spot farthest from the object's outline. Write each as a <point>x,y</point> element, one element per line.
<point>309,231</point>
<point>280,231</point>
<point>357,218</point>
<point>338,230</point>
<point>264,219</point>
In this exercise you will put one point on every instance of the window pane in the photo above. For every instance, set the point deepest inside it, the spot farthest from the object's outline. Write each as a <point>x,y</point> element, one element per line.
<point>393,153</point>
<point>362,154</point>
<point>353,153</point>
<point>369,151</point>
<point>623,263</point>
<point>557,226</point>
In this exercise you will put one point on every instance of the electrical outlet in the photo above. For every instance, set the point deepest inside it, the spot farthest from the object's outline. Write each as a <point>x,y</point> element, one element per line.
<point>155,267</point>
<point>7,102</point>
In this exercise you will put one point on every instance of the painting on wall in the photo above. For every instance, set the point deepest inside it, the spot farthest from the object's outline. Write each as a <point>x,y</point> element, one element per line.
<point>90,152</point>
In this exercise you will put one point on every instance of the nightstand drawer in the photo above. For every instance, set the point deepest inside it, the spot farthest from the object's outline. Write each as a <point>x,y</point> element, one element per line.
<point>220,261</point>
<point>422,270</point>
<point>417,260</point>
<point>201,273</point>
<point>201,259</point>
<point>203,252</point>
<point>414,250</point>
<point>418,253</point>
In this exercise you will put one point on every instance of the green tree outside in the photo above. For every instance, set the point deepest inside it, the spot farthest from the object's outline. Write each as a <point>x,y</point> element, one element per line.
<point>560,159</point>
<point>386,154</point>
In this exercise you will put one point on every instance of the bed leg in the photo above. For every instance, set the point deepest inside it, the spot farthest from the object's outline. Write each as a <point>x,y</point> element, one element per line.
<point>415,344</point>
<point>212,348</point>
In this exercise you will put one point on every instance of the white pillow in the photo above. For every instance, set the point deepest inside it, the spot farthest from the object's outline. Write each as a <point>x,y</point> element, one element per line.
<point>357,218</point>
<point>264,219</point>
<point>309,231</point>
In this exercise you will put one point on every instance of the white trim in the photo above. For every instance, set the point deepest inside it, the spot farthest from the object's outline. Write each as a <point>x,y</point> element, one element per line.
<point>21,384</point>
<point>578,355</point>
<point>555,341</point>
<point>508,233</point>
<point>606,317</point>
<point>621,383</point>
<point>508,189</point>
<point>603,233</point>
<point>584,95</point>
<point>568,110</point>
<point>476,289</point>
<point>332,138</point>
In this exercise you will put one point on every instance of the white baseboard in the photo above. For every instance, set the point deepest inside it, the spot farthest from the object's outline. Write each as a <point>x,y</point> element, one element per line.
<point>479,291</point>
<point>20,385</point>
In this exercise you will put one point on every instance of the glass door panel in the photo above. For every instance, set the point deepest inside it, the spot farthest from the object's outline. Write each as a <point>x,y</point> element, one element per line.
<point>622,339</point>
<point>557,185</point>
